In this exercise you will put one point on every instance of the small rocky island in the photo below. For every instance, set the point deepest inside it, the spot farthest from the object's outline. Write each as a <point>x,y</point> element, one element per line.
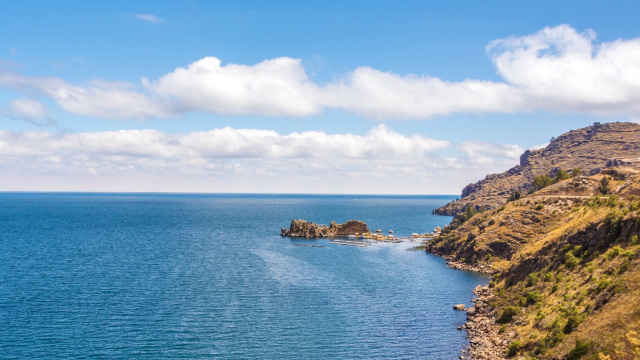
<point>305,229</point>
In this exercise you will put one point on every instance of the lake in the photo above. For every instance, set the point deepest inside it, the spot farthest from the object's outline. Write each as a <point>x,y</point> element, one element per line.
<point>149,276</point>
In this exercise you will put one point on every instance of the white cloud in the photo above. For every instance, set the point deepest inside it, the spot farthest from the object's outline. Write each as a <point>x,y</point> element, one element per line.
<point>245,160</point>
<point>149,18</point>
<point>483,153</point>
<point>556,69</point>
<point>276,87</point>
<point>381,95</point>
<point>102,99</point>
<point>29,110</point>
<point>225,143</point>
<point>561,70</point>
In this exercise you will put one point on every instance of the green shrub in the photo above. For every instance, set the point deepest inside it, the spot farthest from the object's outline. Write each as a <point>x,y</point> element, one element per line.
<point>571,324</point>
<point>554,288</point>
<point>532,279</point>
<point>629,254</point>
<point>604,187</point>
<point>513,348</point>
<point>507,314</point>
<point>603,284</point>
<point>581,349</point>
<point>561,175</point>
<point>624,267</point>
<point>533,297</point>
<point>516,195</point>
<point>539,207</point>
<point>555,337</point>
<point>548,277</point>
<point>542,181</point>
<point>570,260</point>
<point>523,301</point>
<point>576,172</point>
<point>469,212</point>
<point>614,252</point>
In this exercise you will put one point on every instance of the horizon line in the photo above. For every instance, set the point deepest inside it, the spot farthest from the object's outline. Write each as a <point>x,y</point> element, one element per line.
<point>203,193</point>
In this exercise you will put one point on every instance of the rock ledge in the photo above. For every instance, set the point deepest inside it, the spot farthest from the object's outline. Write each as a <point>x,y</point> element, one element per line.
<point>305,229</point>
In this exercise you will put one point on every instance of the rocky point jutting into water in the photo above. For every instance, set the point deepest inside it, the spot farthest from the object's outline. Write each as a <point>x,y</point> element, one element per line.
<point>590,149</point>
<point>564,254</point>
<point>305,229</point>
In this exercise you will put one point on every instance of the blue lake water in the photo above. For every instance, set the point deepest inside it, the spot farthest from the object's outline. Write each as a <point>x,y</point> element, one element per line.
<point>150,276</point>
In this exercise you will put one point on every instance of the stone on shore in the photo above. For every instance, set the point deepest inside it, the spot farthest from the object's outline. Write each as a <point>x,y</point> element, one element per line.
<point>459,307</point>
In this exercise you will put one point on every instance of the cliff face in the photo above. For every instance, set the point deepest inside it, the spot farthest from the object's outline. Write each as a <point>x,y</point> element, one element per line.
<point>305,229</point>
<point>567,267</point>
<point>589,149</point>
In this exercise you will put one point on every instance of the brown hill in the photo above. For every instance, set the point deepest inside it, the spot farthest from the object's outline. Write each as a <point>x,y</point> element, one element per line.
<point>567,267</point>
<point>589,149</point>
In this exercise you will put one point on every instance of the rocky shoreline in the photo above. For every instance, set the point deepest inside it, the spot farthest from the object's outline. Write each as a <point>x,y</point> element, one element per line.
<point>458,265</point>
<point>485,340</point>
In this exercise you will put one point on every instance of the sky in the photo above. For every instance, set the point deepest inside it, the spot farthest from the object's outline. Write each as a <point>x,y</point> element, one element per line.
<point>355,97</point>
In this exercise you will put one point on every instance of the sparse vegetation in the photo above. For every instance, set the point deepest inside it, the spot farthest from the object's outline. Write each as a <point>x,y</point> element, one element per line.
<point>542,181</point>
<point>567,266</point>
<point>561,175</point>
<point>516,195</point>
<point>570,260</point>
<point>513,348</point>
<point>604,186</point>
<point>581,349</point>
<point>507,314</point>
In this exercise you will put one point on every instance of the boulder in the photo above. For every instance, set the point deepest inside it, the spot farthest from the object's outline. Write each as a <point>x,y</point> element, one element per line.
<point>471,311</point>
<point>459,307</point>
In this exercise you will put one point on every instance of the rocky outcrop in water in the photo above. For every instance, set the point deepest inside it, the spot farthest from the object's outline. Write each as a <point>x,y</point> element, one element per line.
<point>305,229</point>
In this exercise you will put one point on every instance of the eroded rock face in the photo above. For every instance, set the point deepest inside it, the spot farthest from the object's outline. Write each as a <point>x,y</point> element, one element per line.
<point>590,149</point>
<point>305,229</point>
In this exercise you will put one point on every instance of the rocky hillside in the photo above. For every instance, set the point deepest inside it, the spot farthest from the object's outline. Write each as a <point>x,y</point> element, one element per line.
<point>305,229</point>
<point>589,149</point>
<point>566,263</point>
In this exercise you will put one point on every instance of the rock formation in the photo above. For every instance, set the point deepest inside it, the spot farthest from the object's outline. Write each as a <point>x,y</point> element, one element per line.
<point>566,271</point>
<point>305,229</point>
<point>589,149</point>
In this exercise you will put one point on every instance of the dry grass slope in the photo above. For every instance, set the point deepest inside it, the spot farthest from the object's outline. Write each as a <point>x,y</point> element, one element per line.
<point>590,149</point>
<point>568,267</point>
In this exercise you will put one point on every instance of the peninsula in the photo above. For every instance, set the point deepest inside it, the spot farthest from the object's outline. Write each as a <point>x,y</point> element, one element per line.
<point>559,233</point>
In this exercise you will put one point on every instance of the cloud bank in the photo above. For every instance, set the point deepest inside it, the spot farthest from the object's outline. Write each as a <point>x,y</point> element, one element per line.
<point>244,160</point>
<point>556,69</point>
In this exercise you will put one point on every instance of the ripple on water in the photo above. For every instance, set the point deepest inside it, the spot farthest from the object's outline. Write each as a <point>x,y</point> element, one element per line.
<point>207,276</point>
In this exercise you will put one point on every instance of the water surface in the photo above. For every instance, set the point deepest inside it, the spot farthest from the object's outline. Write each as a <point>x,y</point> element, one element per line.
<point>150,276</point>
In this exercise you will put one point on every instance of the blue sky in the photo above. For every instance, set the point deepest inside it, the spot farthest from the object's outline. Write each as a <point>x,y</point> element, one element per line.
<point>276,96</point>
